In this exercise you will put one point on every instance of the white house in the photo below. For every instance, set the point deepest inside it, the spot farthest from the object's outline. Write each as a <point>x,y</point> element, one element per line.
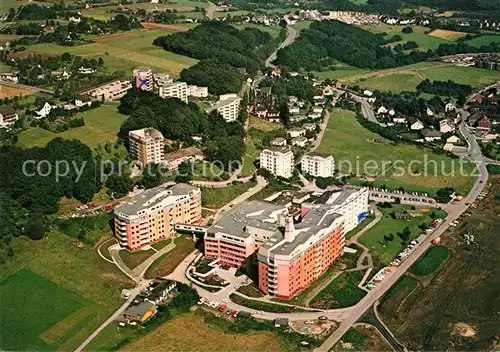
<point>86,70</point>
<point>328,91</point>
<point>382,110</point>
<point>399,120</point>
<point>453,139</point>
<point>83,100</point>
<point>392,112</point>
<point>309,127</point>
<point>449,107</point>
<point>292,99</point>
<point>43,111</point>
<point>417,125</point>
<point>317,110</point>
<point>293,110</point>
<point>372,100</point>
<point>431,135</point>
<point>448,146</point>
<point>429,112</point>
<point>367,93</point>
<point>446,126</point>
<point>279,142</point>
<point>8,116</point>
<point>296,132</point>
<point>75,19</point>
<point>314,115</point>
<point>299,141</point>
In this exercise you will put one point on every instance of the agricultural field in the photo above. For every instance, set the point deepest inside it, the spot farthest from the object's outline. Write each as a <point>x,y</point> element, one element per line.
<point>356,150</point>
<point>447,35</point>
<point>11,92</point>
<point>407,78</point>
<point>340,71</point>
<point>386,251</point>
<point>419,35</point>
<point>455,307</point>
<point>54,293</point>
<point>222,14</point>
<point>125,51</point>
<point>484,40</point>
<point>101,126</point>
<point>342,292</point>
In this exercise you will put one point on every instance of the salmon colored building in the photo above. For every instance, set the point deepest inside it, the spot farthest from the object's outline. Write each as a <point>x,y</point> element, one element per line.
<point>288,265</point>
<point>151,216</point>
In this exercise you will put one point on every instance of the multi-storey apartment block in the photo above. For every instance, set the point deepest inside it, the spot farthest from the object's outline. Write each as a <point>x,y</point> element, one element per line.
<point>228,106</point>
<point>146,145</point>
<point>288,264</point>
<point>8,116</point>
<point>151,216</point>
<point>239,232</point>
<point>174,90</point>
<point>278,161</point>
<point>318,164</point>
<point>197,91</point>
<point>110,91</point>
<point>143,78</point>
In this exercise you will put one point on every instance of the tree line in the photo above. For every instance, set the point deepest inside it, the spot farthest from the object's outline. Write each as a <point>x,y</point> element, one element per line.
<point>445,88</point>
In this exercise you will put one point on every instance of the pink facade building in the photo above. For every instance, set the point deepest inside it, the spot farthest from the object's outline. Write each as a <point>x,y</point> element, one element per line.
<point>151,216</point>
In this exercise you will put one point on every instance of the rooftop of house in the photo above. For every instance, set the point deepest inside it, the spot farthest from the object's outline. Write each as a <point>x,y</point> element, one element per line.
<point>140,309</point>
<point>7,110</point>
<point>426,132</point>
<point>152,197</point>
<point>318,154</point>
<point>259,214</point>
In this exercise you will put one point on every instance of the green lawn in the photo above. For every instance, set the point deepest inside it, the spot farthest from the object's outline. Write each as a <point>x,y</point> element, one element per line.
<point>54,293</point>
<point>341,292</point>
<point>341,71</point>
<point>208,171</point>
<point>167,263</point>
<point>388,250</point>
<point>132,259</point>
<point>418,35</point>
<point>406,78</point>
<point>484,40</point>
<point>218,197</point>
<point>221,14</point>
<point>274,31</point>
<point>251,154</point>
<point>101,126</point>
<point>302,25</point>
<point>360,151</point>
<point>125,51</point>
<point>432,259</point>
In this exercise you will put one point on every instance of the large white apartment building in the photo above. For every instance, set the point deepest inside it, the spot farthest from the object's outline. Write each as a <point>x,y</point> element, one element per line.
<point>162,79</point>
<point>318,164</point>
<point>228,106</point>
<point>110,91</point>
<point>278,161</point>
<point>197,91</point>
<point>146,145</point>
<point>143,78</point>
<point>351,203</point>
<point>175,90</point>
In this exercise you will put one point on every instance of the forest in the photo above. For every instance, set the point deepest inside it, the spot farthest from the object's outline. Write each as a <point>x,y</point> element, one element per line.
<point>444,88</point>
<point>326,42</point>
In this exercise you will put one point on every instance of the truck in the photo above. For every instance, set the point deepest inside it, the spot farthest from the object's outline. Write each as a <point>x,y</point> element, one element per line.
<point>222,308</point>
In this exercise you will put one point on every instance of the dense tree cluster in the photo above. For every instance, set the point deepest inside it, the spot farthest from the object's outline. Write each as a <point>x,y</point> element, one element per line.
<point>27,196</point>
<point>223,140</point>
<point>445,88</point>
<point>326,41</point>
<point>282,87</point>
<point>219,77</point>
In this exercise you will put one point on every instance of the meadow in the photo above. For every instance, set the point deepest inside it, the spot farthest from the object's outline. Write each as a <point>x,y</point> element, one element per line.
<point>353,145</point>
<point>484,40</point>
<point>386,251</point>
<point>125,51</point>
<point>432,259</point>
<point>218,197</point>
<point>101,126</point>
<point>342,292</point>
<point>11,92</point>
<point>54,293</point>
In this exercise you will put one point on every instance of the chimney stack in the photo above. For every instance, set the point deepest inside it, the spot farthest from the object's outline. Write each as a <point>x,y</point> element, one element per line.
<point>289,229</point>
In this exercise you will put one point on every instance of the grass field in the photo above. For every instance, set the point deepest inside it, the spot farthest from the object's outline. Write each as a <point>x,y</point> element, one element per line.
<point>341,292</point>
<point>166,264</point>
<point>217,197</point>
<point>418,35</point>
<point>484,40</point>
<point>11,92</point>
<point>132,259</point>
<point>274,31</point>
<point>101,126</point>
<point>341,71</point>
<point>125,51</point>
<point>362,338</point>
<point>432,259</point>
<point>59,293</point>
<point>221,14</point>
<point>387,251</point>
<point>407,78</point>
<point>356,149</point>
<point>457,307</point>
<point>189,333</point>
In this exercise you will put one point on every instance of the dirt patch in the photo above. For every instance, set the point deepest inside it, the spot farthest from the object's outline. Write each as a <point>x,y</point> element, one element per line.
<point>447,35</point>
<point>464,330</point>
<point>170,27</point>
<point>117,36</point>
<point>10,92</point>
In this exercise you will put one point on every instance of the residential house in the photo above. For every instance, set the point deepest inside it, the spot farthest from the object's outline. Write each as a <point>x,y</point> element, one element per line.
<point>294,110</point>
<point>273,116</point>
<point>453,139</point>
<point>309,127</point>
<point>86,70</point>
<point>10,76</point>
<point>42,110</point>
<point>484,124</point>
<point>478,99</point>
<point>449,107</point>
<point>278,142</point>
<point>448,146</point>
<point>416,125</point>
<point>296,132</point>
<point>431,135</point>
<point>429,111</point>
<point>372,100</point>
<point>160,290</point>
<point>299,141</point>
<point>83,100</point>
<point>8,116</point>
<point>446,126</point>
<point>367,93</point>
<point>60,75</point>
<point>392,112</point>
<point>337,84</point>
<point>399,120</point>
<point>314,115</point>
<point>317,110</point>
<point>141,312</point>
<point>382,110</point>
<point>292,99</point>
<point>328,91</point>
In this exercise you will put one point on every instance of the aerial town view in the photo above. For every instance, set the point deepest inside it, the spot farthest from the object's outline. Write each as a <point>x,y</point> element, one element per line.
<point>278,175</point>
